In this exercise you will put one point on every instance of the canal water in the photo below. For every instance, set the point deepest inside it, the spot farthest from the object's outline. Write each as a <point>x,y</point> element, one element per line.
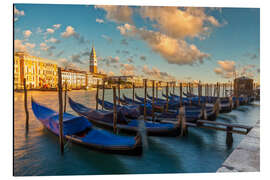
<point>37,151</point>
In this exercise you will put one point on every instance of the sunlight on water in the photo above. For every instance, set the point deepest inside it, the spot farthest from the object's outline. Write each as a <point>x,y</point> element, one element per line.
<point>37,152</point>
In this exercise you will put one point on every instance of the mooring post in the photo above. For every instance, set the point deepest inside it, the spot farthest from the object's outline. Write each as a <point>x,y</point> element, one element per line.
<point>61,137</point>
<point>199,92</point>
<point>133,91</point>
<point>167,99</point>
<point>114,111</point>
<point>25,105</point>
<point>97,96</point>
<point>229,136</point>
<point>183,121</point>
<point>157,90</point>
<point>173,86</point>
<point>103,91</point>
<point>119,90</point>
<point>153,100</point>
<point>180,95</point>
<point>145,91</point>
<point>65,97</point>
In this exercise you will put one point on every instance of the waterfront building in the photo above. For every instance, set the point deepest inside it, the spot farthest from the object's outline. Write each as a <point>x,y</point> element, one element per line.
<point>243,86</point>
<point>38,72</point>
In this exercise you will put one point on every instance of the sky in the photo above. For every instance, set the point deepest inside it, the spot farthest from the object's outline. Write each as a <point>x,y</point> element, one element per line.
<point>162,43</point>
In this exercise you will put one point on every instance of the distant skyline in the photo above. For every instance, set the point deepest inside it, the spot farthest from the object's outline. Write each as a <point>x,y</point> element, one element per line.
<point>180,43</point>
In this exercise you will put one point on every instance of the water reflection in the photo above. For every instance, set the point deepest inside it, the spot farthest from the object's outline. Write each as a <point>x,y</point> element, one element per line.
<point>37,152</point>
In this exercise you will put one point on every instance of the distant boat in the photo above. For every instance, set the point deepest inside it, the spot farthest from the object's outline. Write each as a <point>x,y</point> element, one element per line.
<point>78,129</point>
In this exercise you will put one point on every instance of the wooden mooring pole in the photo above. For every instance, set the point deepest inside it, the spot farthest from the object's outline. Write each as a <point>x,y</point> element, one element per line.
<point>157,90</point>
<point>103,92</point>
<point>114,111</point>
<point>25,105</point>
<point>153,100</point>
<point>65,97</point>
<point>97,96</point>
<point>119,91</point>
<point>180,95</point>
<point>167,99</point>
<point>229,136</point>
<point>145,91</point>
<point>61,136</point>
<point>133,92</point>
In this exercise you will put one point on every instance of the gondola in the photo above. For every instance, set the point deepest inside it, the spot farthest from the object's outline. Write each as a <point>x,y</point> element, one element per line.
<point>79,130</point>
<point>158,107</point>
<point>105,120</point>
<point>130,111</point>
<point>192,113</point>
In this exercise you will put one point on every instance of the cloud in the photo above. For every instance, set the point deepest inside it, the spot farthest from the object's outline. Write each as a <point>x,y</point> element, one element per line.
<point>76,58</point>
<point>27,33</point>
<point>19,46</point>
<point>63,62</point>
<point>155,73</point>
<point>125,52</point>
<point>143,58</point>
<point>17,13</point>
<point>179,22</point>
<point>46,48</point>
<point>118,14</point>
<point>109,39</point>
<point>49,31</point>
<point>173,50</point>
<point>124,42</point>
<point>30,45</point>
<point>130,60</point>
<point>60,53</point>
<point>100,21</point>
<point>226,68</point>
<point>39,30</point>
<point>69,32</point>
<point>127,69</point>
<point>56,26</point>
<point>53,40</point>
<point>227,65</point>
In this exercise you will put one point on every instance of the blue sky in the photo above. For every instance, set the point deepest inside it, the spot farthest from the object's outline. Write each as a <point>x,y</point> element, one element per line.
<point>206,44</point>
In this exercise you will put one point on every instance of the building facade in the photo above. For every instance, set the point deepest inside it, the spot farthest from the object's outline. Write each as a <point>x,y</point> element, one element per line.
<point>38,72</point>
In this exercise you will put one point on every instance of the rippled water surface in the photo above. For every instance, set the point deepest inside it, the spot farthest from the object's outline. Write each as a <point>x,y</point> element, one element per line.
<point>37,152</point>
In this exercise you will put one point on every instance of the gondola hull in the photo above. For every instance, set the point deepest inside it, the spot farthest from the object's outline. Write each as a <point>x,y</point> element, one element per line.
<point>76,130</point>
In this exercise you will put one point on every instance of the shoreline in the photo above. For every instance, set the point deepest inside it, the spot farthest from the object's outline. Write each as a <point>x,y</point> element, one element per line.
<point>246,157</point>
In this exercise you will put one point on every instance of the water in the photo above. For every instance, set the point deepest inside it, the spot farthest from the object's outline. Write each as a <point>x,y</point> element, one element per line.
<point>37,152</point>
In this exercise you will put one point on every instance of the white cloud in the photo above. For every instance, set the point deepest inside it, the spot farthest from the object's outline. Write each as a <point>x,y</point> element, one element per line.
<point>27,33</point>
<point>50,31</point>
<point>17,13</point>
<point>118,14</point>
<point>155,73</point>
<point>52,40</point>
<point>21,47</point>
<point>57,26</point>
<point>179,23</point>
<point>173,50</point>
<point>127,69</point>
<point>99,21</point>
<point>227,65</point>
<point>30,45</point>
<point>69,32</point>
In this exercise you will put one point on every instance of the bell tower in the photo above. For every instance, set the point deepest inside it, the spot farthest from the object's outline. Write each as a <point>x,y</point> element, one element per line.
<point>93,61</point>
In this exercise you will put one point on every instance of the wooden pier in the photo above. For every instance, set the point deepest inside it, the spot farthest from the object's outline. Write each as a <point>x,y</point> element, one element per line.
<point>228,128</point>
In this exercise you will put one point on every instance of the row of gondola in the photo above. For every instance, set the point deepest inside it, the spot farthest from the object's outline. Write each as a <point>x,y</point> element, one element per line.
<point>82,129</point>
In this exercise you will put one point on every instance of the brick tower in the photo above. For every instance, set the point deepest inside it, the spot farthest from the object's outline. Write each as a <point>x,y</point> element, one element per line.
<point>93,61</point>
